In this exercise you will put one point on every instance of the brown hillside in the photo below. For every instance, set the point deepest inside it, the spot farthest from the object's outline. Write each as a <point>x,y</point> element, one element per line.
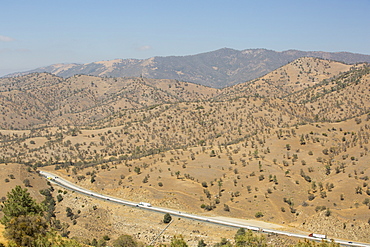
<point>44,99</point>
<point>343,97</point>
<point>296,158</point>
<point>135,133</point>
<point>289,174</point>
<point>300,74</point>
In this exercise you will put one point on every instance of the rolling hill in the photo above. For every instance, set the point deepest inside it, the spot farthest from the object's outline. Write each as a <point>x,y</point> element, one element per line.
<point>302,73</point>
<point>44,99</point>
<point>221,68</point>
<point>290,147</point>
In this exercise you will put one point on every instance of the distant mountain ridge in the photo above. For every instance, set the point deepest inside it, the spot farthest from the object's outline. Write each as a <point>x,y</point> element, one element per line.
<point>40,99</point>
<point>218,69</point>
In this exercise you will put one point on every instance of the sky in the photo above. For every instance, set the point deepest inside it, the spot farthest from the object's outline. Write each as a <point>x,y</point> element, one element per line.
<point>36,33</point>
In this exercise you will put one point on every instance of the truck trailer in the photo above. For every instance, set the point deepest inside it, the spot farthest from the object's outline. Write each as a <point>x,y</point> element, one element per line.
<point>315,235</point>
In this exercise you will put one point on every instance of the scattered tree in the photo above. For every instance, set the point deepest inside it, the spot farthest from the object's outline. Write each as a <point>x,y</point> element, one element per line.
<point>167,218</point>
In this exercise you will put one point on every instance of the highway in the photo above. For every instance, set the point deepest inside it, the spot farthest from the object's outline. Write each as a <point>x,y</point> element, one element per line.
<point>68,185</point>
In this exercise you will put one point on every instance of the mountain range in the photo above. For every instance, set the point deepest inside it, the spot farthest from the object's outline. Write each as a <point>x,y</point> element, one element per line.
<point>40,99</point>
<point>218,69</point>
<point>290,147</point>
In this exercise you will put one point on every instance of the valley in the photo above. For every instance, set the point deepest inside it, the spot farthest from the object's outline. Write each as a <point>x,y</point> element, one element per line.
<point>290,148</point>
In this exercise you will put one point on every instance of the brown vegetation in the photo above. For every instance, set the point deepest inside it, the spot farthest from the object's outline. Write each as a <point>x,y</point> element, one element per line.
<point>298,158</point>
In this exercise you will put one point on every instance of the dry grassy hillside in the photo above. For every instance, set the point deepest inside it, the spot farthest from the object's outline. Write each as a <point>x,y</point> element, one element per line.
<point>297,159</point>
<point>136,133</point>
<point>289,175</point>
<point>44,99</point>
<point>343,97</point>
<point>12,174</point>
<point>300,74</point>
<point>37,100</point>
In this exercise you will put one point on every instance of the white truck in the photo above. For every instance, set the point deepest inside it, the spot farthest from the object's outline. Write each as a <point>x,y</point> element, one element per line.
<point>315,235</point>
<point>145,204</point>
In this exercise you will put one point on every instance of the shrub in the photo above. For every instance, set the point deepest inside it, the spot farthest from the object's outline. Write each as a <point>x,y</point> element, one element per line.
<point>259,214</point>
<point>366,201</point>
<point>311,197</point>
<point>59,198</point>
<point>201,243</point>
<point>27,182</point>
<point>167,218</point>
<point>125,241</point>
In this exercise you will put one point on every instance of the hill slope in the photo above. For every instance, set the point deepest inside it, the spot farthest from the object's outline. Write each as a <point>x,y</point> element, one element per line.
<point>45,99</point>
<point>344,96</point>
<point>290,153</point>
<point>220,68</point>
<point>41,99</point>
<point>302,73</point>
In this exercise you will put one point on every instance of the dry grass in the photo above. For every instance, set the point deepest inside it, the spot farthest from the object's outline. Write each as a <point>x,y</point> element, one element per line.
<point>300,74</point>
<point>239,167</point>
<point>43,99</point>
<point>285,157</point>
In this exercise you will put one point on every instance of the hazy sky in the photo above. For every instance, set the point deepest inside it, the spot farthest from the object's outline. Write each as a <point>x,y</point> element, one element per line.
<point>36,33</point>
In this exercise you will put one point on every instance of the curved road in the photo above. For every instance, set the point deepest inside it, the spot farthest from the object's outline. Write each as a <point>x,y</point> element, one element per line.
<point>68,185</point>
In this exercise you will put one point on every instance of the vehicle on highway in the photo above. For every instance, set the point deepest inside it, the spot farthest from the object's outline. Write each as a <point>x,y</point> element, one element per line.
<point>253,228</point>
<point>148,206</point>
<point>315,235</point>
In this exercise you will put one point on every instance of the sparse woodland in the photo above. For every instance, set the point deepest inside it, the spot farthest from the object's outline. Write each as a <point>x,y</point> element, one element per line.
<point>290,148</point>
